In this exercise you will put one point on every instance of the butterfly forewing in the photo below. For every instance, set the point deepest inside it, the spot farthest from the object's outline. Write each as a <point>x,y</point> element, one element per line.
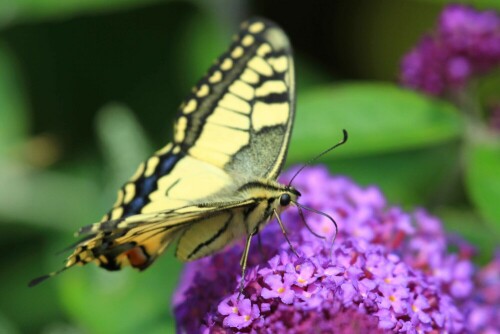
<point>240,114</point>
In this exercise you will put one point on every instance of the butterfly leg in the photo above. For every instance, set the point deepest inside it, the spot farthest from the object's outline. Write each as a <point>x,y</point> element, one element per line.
<point>243,261</point>
<point>261,247</point>
<point>284,232</point>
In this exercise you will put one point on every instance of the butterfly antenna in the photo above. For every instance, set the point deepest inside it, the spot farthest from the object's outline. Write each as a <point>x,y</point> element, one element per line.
<point>300,206</point>
<point>344,139</point>
<point>301,214</point>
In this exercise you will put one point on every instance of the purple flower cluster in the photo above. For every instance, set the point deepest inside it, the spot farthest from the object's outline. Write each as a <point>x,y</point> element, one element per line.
<point>388,271</point>
<point>465,43</point>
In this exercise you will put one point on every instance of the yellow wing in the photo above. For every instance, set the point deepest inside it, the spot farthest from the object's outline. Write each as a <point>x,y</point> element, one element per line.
<point>237,122</point>
<point>239,116</point>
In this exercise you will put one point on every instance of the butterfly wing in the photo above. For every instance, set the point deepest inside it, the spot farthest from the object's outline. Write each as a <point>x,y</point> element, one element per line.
<point>234,126</point>
<point>239,116</point>
<point>236,122</point>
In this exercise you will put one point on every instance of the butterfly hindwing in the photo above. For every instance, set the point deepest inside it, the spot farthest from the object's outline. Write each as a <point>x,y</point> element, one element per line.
<point>137,240</point>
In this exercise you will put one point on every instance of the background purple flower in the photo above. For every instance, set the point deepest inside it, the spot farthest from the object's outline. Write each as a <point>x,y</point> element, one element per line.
<point>388,271</point>
<point>465,43</point>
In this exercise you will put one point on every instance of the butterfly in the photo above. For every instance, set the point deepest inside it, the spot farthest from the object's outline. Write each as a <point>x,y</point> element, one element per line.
<point>216,181</point>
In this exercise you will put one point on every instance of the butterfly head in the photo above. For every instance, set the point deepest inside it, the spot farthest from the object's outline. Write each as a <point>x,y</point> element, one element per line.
<point>286,197</point>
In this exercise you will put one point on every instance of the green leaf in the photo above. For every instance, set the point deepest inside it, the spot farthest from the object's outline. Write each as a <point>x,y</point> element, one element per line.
<point>163,324</point>
<point>6,326</point>
<point>417,177</point>
<point>202,40</point>
<point>13,108</point>
<point>478,4</point>
<point>309,73</point>
<point>483,179</point>
<point>62,328</point>
<point>46,199</point>
<point>124,142</point>
<point>21,260</point>
<point>120,302</point>
<point>470,226</point>
<point>29,10</point>
<point>487,87</point>
<point>379,117</point>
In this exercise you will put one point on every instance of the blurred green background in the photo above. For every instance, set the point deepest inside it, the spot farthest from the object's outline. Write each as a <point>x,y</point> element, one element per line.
<point>89,88</point>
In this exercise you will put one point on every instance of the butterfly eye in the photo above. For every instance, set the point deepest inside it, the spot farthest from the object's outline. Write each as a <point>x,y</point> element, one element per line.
<point>285,200</point>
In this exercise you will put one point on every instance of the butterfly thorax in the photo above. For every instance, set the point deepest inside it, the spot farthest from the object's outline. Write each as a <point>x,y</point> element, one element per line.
<point>268,198</point>
<point>268,190</point>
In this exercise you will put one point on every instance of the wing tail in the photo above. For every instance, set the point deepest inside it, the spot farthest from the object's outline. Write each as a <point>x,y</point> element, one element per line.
<point>42,278</point>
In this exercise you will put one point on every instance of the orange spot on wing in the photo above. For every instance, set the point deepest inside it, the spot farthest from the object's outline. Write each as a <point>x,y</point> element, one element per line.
<point>137,257</point>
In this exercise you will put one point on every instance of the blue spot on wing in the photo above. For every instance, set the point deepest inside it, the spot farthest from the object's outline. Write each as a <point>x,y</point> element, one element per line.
<point>146,185</point>
<point>167,164</point>
<point>135,206</point>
